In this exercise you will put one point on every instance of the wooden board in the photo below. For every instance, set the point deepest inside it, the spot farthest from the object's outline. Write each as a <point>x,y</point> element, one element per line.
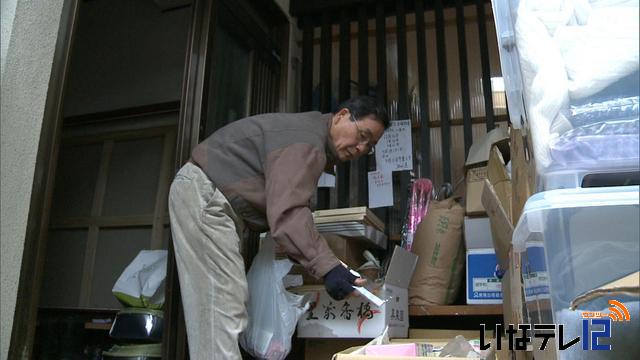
<point>454,310</point>
<point>341,211</point>
<point>348,218</point>
<point>360,213</point>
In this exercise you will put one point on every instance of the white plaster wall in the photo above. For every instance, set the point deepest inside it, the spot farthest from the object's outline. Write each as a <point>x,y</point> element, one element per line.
<point>7,13</point>
<point>24,87</point>
<point>127,53</point>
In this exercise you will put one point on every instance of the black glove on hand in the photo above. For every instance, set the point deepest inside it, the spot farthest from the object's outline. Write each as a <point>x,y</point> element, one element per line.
<point>339,282</point>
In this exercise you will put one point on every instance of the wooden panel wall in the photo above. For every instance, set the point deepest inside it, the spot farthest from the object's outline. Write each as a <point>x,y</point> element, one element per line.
<point>430,61</point>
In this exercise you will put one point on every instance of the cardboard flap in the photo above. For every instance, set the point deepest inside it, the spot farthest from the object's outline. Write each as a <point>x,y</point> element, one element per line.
<point>629,285</point>
<point>521,174</point>
<point>512,295</point>
<point>401,267</point>
<point>631,280</point>
<point>496,170</point>
<point>501,226</point>
<point>500,179</point>
<point>479,151</point>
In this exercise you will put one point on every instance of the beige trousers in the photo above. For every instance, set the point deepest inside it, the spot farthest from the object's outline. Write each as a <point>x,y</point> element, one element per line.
<point>206,238</point>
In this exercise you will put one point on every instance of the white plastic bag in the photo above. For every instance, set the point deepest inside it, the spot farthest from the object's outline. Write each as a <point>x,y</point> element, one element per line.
<point>141,284</point>
<point>459,347</point>
<point>273,311</point>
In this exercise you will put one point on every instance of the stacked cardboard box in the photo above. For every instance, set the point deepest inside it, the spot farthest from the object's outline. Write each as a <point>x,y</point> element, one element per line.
<point>477,168</point>
<point>483,285</point>
<point>504,202</point>
<point>348,232</point>
<point>486,163</point>
<point>347,250</point>
<point>497,194</point>
<point>357,317</point>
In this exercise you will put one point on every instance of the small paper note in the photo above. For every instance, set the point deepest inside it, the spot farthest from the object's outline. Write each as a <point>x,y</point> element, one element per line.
<point>380,189</point>
<point>327,180</point>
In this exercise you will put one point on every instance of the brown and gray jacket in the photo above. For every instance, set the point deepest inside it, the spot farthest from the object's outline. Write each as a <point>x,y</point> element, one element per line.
<point>268,167</point>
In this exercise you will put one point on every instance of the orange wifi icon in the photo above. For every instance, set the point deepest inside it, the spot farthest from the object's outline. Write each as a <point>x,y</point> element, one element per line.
<point>619,311</point>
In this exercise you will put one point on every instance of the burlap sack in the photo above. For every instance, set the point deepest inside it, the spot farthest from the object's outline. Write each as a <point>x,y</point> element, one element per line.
<point>438,243</point>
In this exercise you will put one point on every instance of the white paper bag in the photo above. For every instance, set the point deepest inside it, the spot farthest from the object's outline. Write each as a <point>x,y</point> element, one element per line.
<point>142,282</point>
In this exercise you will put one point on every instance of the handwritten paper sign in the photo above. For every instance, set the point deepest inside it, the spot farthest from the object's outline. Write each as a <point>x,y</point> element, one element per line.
<point>394,150</point>
<point>380,189</point>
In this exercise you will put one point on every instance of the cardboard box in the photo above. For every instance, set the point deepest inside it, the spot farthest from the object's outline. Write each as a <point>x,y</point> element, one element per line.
<point>483,285</point>
<point>522,173</point>
<point>357,317</point>
<point>475,183</point>
<point>503,199</point>
<point>436,337</point>
<point>497,199</point>
<point>441,335</point>
<point>323,349</point>
<point>477,168</point>
<point>500,179</point>
<point>535,285</point>
<point>355,231</point>
<point>479,151</point>
<point>346,249</point>
<point>501,226</point>
<point>512,292</point>
<point>348,355</point>
<point>536,276</point>
<point>477,233</point>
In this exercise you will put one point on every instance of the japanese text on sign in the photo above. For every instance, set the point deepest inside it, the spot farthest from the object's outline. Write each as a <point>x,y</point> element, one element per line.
<point>380,189</point>
<point>394,150</point>
<point>345,311</point>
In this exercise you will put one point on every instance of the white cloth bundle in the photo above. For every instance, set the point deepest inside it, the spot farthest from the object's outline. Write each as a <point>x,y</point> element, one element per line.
<point>571,49</point>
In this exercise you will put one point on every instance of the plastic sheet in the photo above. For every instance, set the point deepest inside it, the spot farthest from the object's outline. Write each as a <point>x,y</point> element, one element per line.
<point>595,144</point>
<point>580,77</point>
<point>421,192</point>
<point>621,108</point>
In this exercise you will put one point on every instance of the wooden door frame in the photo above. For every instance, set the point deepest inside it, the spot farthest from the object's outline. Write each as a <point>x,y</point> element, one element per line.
<point>191,122</point>
<point>33,256</point>
<point>174,339</point>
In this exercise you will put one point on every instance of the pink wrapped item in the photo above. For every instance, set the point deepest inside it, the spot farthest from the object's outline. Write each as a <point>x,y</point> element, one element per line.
<point>391,350</point>
<point>418,205</point>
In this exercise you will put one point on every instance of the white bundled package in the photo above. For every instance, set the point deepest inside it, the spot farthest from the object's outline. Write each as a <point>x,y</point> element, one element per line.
<point>141,284</point>
<point>579,62</point>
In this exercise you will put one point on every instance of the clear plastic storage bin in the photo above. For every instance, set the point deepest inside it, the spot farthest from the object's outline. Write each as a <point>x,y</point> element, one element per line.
<point>572,241</point>
<point>571,73</point>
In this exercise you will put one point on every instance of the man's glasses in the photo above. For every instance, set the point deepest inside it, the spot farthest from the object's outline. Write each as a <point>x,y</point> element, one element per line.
<point>364,137</point>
